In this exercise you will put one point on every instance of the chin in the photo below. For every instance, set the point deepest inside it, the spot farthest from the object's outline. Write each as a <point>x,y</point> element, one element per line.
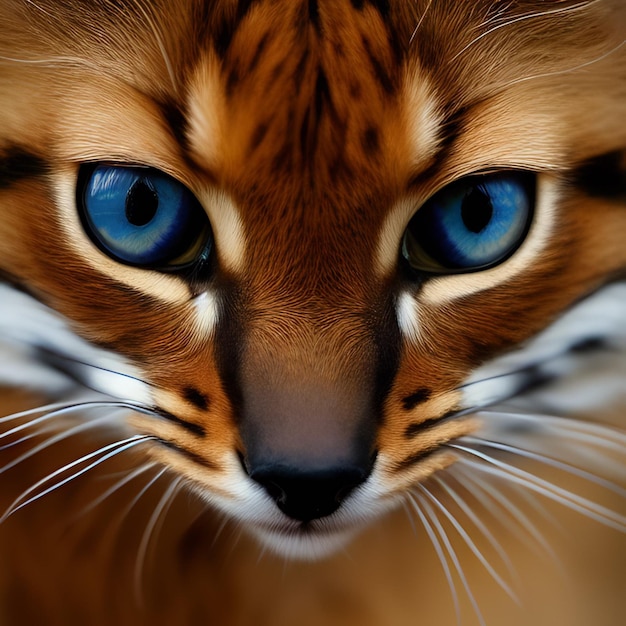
<point>304,543</point>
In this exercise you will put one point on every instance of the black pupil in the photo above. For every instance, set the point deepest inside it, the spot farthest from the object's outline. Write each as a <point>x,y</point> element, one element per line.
<point>476,210</point>
<point>142,202</point>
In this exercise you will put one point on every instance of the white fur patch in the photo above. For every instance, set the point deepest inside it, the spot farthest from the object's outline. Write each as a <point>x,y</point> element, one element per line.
<point>408,316</point>
<point>27,326</point>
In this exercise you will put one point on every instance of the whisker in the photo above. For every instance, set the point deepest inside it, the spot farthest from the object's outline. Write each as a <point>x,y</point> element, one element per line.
<point>40,409</point>
<point>38,420</point>
<point>467,510</point>
<point>153,525</point>
<point>61,436</point>
<point>569,499</point>
<point>127,509</point>
<point>434,539</point>
<point>521,18</point>
<point>469,542</point>
<point>569,70</point>
<point>144,9</point>
<point>512,511</point>
<point>109,451</point>
<point>550,462</point>
<point>589,433</point>
<point>118,485</point>
<point>452,554</point>
<point>419,23</point>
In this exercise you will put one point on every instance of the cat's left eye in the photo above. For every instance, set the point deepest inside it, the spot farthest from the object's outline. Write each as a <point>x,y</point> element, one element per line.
<point>141,216</point>
<point>472,224</point>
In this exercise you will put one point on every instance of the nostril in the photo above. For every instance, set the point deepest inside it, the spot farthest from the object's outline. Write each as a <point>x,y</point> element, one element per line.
<point>305,495</point>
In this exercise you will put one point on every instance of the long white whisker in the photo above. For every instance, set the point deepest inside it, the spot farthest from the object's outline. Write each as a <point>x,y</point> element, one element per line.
<point>118,485</point>
<point>558,494</point>
<point>127,509</point>
<point>467,510</point>
<point>82,427</point>
<point>111,450</point>
<point>440,554</point>
<point>549,461</point>
<point>51,415</point>
<point>159,512</point>
<point>40,409</point>
<point>470,543</point>
<point>512,511</point>
<point>589,433</point>
<point>453,556</point>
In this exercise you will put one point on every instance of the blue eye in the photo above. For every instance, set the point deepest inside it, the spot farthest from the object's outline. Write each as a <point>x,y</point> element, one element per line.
<point>141,216</point>
<point>472,224</point>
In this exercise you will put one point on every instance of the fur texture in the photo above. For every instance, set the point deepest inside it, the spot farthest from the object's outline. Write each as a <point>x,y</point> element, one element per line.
<point>311,133</point>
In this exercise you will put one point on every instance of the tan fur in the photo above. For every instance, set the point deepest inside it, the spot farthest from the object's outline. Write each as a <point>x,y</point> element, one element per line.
<point>309,189</point>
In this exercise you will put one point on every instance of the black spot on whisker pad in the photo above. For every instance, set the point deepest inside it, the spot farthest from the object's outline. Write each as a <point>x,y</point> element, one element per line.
<point>195,397</point>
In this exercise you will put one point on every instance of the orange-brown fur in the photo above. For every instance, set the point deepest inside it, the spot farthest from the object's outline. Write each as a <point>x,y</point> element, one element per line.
<point>309,125</point>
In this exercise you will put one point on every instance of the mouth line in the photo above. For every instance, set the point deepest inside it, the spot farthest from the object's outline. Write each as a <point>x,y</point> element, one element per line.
<point>309,529</point>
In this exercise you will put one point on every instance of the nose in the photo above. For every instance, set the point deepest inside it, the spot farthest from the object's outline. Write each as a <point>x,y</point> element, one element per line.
<point>305,495</point>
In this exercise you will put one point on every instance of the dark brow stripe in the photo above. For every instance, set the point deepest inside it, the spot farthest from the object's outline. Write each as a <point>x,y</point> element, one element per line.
<point>16,164</point>
<point>603,176</point>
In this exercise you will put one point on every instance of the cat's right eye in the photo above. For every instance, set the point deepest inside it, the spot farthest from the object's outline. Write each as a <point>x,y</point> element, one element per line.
<point>141,216</point>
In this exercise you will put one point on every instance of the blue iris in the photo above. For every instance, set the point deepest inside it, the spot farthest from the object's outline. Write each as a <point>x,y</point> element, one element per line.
<point>142,216</point>
<point>471,224</point>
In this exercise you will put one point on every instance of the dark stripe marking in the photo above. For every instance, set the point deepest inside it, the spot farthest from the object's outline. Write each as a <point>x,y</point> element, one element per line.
<point>417,397</point>
<point>196,458</point>
<point>412,459</point>
<point>177,121</point>
<point>314,15</point>
<point>258,135</point>
<point>198,399</point>
<point>16,164</point>
<point>371,141</point>
<point>382,76</point>
<point>258,52</point>
<point>382,6</point>
<point>194,429</point>
<point>603,176</point>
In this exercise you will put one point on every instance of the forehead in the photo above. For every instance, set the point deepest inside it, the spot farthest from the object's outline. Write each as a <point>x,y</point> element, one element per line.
<point>328,110</point>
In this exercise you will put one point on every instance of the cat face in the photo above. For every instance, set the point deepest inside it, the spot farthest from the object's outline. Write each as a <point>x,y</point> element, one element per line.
<point>302,227</point>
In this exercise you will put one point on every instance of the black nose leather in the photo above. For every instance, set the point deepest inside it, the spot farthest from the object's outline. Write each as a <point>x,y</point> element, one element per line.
<point>308,495</point>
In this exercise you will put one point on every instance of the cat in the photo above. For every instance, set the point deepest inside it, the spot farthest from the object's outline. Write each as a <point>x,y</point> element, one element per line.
<point>283,280</point>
